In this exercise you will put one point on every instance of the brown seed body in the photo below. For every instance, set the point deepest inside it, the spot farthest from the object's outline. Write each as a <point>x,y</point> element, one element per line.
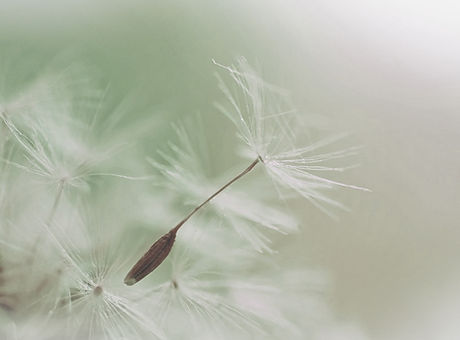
<point>161,248</point>
<point>152,258</point>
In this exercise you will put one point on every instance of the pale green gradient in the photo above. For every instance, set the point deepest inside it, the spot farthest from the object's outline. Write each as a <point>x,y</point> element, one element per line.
<point>389,71</point>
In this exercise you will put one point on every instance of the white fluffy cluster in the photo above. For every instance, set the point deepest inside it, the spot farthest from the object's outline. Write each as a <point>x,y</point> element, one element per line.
<point>272,130</point>
<point>77,209</point>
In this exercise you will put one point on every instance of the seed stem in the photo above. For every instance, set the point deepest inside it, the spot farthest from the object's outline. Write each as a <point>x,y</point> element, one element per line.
<point>248,169</point>
<point>3,140</point>
<point>161,248</point>
<point>50,217</point>
<point>57,199</point>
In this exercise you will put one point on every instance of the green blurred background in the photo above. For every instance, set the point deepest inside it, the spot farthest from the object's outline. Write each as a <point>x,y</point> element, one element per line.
<point>389,71</point>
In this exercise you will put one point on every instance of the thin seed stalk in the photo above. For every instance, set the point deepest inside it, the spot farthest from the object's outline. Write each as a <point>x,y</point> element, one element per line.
<point>57,199</point>
<point>3,142</point>
<point>159,250</point>
<point>51,214</point>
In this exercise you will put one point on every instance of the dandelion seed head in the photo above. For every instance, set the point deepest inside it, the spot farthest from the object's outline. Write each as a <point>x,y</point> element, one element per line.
<point>90,293</point>
<point>198,294</point>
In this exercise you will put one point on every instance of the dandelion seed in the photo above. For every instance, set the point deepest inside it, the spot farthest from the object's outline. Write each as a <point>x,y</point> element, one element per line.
<point>72,164</point>
<point>267,130</point>
<point>161,248</point>
<point>183,170</point>
<point>201,291</point>
<point>89,295</point>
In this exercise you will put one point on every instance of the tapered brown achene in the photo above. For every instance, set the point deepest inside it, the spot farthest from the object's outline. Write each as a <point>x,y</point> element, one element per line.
<point>161,248</point>
<point>152,258</point>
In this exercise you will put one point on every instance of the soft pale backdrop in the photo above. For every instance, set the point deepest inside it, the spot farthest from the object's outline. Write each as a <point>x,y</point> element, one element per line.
<point>388,70</point>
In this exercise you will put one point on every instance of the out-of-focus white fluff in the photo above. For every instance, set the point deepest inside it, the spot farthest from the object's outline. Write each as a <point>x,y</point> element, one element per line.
<point>64,252</point>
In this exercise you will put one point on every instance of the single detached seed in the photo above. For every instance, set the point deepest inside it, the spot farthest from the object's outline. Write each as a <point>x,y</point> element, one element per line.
<point>161,248</point>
